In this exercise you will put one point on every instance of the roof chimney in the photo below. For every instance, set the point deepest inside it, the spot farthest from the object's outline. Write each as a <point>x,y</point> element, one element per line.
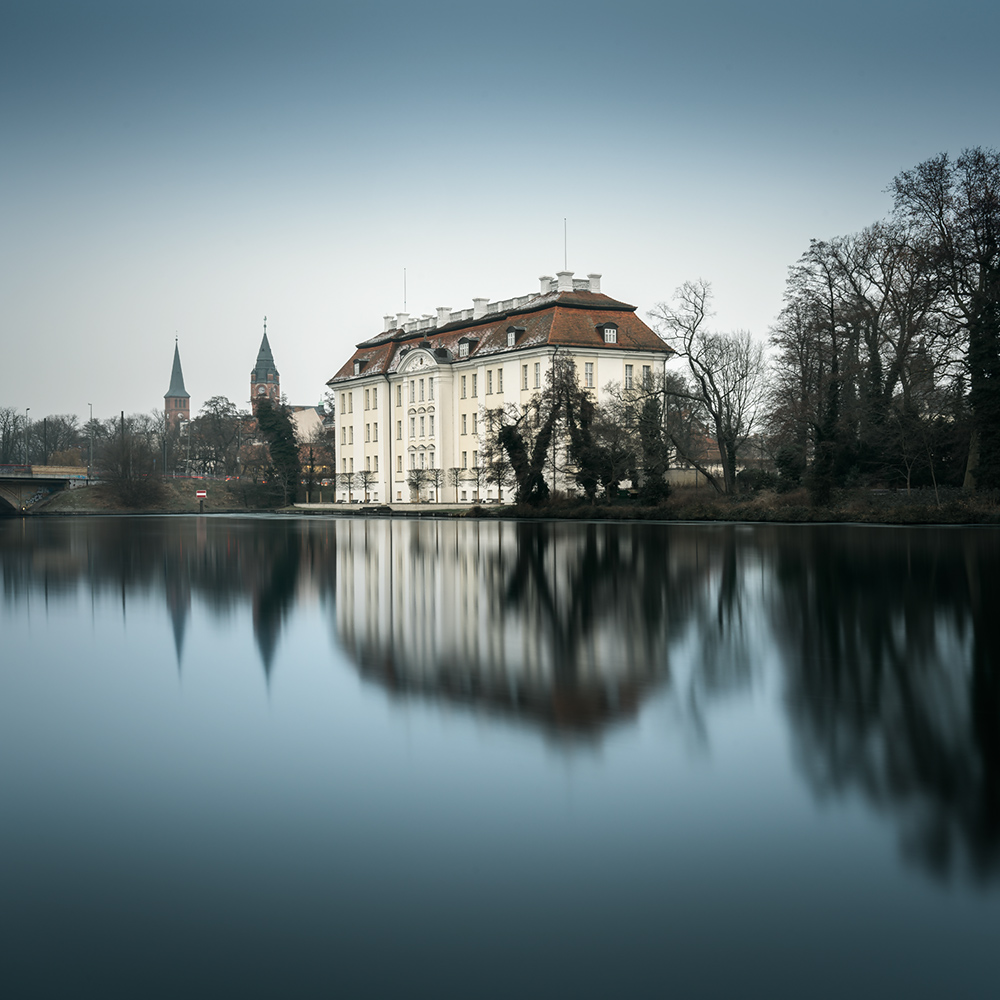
<point>545,283</point>
<point>401,319</point>
<point>479,308</point>
<point>565,281</point>
<point>387,323</point>
<point>444,315</point>
<point>595,282</point>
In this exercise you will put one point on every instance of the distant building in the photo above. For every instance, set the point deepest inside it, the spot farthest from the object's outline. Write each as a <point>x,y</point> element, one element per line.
<point>413,397</point>
<point>264,380</point>
<point>176,400</point>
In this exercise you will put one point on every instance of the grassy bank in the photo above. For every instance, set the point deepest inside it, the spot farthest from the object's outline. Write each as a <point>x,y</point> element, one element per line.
<point>855,506</point>
<point>177,496</point>
<point>685,504</point>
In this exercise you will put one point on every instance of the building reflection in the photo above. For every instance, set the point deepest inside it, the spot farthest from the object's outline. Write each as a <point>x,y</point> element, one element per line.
<point>565,625</point>
<point>883,640</point>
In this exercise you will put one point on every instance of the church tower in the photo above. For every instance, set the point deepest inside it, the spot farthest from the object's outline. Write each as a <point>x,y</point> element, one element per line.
<point>264,382</point>
<point>176,401</point>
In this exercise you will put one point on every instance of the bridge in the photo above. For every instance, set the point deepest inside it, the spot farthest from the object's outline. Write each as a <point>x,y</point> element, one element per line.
<point>24,486</point>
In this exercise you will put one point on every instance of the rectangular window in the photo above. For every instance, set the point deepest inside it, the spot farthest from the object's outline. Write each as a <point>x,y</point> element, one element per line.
<point>610,335</point>
<point>413,391</point>
<point>475,459</point>
<point>350,432</point>
<point>647,376</point>
<point>374,399</point>
<point>352,465</point>
<point>399,394</point>
<point>399,430</point>
<point>432,425</point>
<point>465,459</point>
<point>430,460</point>
<point>588,374</point>
<point>423,422</point>
<point>499,380</point>
<point>628,376</point>
<point>375,463</point>
<point>368,463</point>
<point>413,427</point>
<point>368,399</point>
<point>343,404</point>
<point>374,432</point>
<point>350,402</point>
<point>475,383</point>
<point>430,388</point>
<point>489,382</point>
<point>413,460</point>
<point>399,463</point>
<point>343,435</point>
<point>343,465</point>
<point>368,432</point>
<point>421,390</point>
<point>538,375</point>
<point>463,387</point>
<point>474,418</point>
<point>524,376</point>
<point>423,460</point>
<point>464,431</point>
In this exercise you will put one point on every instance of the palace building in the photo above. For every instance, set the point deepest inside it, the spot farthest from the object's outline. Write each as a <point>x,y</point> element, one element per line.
<point>414,396</point>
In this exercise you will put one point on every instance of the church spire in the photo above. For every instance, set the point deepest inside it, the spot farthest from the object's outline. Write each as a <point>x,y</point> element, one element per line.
<point>176,400</point>
<point>264,379</point>
<point>176,377</point>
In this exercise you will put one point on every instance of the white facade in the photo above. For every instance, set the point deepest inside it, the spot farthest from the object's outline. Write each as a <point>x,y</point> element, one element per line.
<point>415,396</point>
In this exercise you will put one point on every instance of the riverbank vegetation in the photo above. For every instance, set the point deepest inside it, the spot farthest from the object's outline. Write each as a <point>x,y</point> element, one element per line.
<point>880,381</point>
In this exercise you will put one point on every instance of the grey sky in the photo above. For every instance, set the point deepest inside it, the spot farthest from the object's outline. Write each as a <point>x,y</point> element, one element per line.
<point>190,167</point>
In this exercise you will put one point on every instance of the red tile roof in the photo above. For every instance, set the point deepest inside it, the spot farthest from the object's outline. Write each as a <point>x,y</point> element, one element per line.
<point>560,319</point>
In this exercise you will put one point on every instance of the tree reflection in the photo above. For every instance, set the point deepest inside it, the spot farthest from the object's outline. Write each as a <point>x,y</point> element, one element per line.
<point>885,637</point>
<point>891,657</point>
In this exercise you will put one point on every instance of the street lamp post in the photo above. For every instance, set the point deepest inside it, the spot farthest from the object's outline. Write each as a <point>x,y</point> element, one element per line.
<point>90,462</point>
<point>27,410</point>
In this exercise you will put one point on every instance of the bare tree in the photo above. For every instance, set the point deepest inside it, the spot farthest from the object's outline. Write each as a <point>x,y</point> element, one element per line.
<point>415,479</point>
<point>726,373</point>
<point>366,479</point>
<point>345,480</point>
<point>436,479</point>
<point>455,476</point>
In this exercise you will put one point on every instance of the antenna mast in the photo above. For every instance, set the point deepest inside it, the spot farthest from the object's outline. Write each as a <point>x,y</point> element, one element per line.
<point>565,257</point>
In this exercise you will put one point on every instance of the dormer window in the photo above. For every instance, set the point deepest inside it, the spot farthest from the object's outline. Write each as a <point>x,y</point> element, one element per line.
<point>512,334</point>
<point>357,367</point>
<point>463,349</point>
<point>610,333</point>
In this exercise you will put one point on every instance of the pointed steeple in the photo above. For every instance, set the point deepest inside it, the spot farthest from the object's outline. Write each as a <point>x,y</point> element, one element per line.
<point>265,360</point>
<point>176,389</point>
<point>264,379</point>
<point>176,400</point>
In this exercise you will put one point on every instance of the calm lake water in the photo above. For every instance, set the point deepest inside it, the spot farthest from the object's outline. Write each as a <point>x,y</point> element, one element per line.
<point>340,757</point>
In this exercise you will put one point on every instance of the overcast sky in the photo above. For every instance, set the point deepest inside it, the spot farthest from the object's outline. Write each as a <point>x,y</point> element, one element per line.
<point>188,167</point>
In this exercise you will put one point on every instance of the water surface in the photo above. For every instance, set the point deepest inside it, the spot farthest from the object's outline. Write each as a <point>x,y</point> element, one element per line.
<point>273,756</point>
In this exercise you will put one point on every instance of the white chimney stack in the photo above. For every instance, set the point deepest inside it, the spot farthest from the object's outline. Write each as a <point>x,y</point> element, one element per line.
<point>444,315</point>
<point>387,323</point>
<point>479,308</point>
<point>595,282</point>
<point>565,279</point>
<point>401,319</point>
<point>545,284</point>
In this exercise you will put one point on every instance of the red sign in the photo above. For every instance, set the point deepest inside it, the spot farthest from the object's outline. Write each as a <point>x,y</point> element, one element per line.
<point>201,493</point>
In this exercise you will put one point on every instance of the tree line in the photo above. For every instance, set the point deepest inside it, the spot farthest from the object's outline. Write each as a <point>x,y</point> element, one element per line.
<point>882,370</point>
<point>133,453</point>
